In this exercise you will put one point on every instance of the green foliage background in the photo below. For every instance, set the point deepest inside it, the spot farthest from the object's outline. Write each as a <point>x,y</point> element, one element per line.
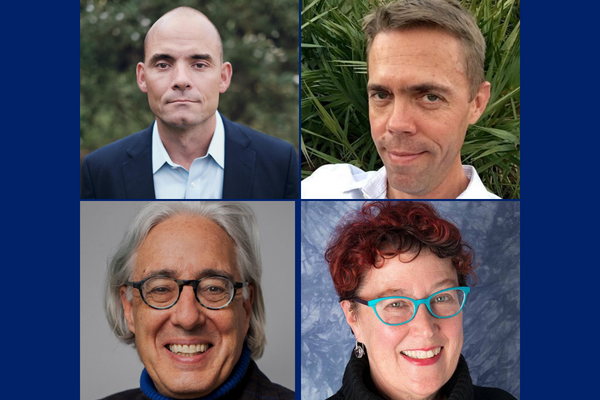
<point>260,39</point>
<point>335,122</point>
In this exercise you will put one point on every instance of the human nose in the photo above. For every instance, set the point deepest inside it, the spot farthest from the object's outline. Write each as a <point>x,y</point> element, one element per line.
<point>401,119</point>
<point>423,324</point>
<point>181,79</point>
<point>188,312</point>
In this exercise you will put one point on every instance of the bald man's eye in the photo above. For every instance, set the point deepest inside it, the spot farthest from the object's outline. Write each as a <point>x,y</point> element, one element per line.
<point>200,65</point>
<point>162,65</point>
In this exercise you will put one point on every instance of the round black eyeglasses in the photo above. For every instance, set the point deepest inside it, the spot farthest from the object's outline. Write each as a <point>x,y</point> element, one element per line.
<point>213,292</point>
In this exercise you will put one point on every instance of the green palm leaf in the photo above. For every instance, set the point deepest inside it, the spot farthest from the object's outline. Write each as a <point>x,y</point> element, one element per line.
<point>334,107</point>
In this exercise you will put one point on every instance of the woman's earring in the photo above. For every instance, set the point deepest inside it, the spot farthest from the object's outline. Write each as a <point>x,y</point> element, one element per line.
<point>359,351</point>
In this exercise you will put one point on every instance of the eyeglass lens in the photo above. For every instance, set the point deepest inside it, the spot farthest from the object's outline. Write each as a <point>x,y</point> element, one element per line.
<point>161,291</point>
<point>399,310</point>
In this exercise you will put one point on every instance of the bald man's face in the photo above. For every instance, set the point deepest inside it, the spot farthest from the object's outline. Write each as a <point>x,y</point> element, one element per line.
<point>183,73</point>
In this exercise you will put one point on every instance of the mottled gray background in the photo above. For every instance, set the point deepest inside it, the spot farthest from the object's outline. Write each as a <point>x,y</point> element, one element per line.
<point>491,315</point>
<point>107,366</point>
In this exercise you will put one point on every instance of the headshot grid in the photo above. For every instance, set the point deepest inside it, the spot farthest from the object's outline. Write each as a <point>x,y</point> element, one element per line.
<point>231,332</point>
<point>375,250</point>
<point>300,199</point>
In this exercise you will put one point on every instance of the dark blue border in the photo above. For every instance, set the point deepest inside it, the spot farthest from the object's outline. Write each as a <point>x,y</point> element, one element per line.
<point>40,245</point>
<point>559,176</point>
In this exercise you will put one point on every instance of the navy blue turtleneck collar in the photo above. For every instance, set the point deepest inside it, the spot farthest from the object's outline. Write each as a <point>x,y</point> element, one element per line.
<point>235,377</point>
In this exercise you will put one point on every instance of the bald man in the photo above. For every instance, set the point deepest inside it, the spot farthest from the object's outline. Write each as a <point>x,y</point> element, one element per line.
<point>190,151</point>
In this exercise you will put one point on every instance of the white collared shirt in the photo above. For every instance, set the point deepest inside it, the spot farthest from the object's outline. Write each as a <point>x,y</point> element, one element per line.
<point>345,181</point>
<point>204,180</point>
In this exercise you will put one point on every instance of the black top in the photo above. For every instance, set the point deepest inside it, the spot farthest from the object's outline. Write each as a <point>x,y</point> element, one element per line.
<point>254,385</point>
<point>358,385</point>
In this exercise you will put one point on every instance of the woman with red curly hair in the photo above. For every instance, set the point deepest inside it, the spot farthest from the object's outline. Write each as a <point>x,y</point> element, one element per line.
<point>387,260</point>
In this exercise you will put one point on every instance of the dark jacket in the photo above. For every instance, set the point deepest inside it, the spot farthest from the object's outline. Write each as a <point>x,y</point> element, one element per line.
<point>257,166</point>
<point>254,385</point>
<point>357,384</point>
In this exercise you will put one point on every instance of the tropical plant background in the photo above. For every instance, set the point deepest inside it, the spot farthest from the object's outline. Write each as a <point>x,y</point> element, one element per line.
<point>260,39</point>
<point>334,107</point>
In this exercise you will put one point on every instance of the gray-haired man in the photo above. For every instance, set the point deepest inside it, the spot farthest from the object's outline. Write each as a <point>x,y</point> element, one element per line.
<point>184,286</point>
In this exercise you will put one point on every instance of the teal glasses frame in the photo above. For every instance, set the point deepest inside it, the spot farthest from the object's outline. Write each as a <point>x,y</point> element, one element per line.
<point>416,303</point>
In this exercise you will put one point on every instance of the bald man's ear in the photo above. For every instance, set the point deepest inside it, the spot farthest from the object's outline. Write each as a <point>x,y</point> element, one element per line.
<point>226,73</point>
<point>141,77</point>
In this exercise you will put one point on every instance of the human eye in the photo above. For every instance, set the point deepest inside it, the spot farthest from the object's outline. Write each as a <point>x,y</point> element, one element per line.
<point>431,100</point>
<point>214,289</point>
<point>379,95</point>
<point>444,298</point>
<point>162,65</point>
<point>160,290</point>
<point>200,65</point>
<point>441,298</point>
<point>396,304</point>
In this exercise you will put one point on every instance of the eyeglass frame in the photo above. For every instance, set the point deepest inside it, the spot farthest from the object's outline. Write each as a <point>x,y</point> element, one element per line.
<point>194,283</point>
<point>416,304</point>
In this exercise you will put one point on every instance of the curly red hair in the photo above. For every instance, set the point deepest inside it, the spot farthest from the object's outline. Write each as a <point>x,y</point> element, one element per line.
<point>381,230</point>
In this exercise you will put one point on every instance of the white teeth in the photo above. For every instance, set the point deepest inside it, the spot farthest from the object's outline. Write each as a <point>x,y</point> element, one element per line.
<point>188,350</point>
<point>421,355</point>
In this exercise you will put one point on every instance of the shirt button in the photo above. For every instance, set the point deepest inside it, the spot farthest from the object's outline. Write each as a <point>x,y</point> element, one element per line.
<point>193,184</point>
<point>173,167</point>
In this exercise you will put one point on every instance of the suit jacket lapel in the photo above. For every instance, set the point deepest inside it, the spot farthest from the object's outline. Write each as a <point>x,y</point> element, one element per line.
<point>239,163</point>
<point>137,171</point>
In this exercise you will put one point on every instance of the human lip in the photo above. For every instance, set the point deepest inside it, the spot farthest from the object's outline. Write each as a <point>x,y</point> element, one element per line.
<point>188,350</point>
<point>404,157</point>
<point>426,356</point>
<point>181,101</point>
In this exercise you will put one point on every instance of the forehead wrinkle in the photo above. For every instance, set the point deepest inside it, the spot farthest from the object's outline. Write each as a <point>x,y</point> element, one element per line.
<point>211,246</point>
<point>195,276</point>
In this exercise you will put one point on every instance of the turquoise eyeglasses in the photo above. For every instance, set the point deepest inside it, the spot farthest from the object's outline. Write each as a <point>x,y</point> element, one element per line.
<point>398,310</point>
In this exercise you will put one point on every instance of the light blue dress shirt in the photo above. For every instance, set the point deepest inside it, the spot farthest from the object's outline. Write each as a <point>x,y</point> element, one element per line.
<point>204,180</point>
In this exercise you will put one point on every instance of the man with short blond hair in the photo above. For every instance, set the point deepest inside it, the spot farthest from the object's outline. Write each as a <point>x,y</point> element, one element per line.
<point>426,85</point>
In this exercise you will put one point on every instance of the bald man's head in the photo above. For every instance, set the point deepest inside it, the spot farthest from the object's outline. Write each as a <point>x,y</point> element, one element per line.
<point>173,20</point>
<point>183,71</point>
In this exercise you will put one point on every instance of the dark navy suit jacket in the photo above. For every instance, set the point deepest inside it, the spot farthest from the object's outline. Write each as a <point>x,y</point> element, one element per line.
<point>257,166</point>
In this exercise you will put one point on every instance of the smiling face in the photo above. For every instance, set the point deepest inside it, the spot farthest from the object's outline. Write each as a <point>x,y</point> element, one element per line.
<point>416,359</point>
<point>419,110</point>
<point>183,72</point>
<point>187,247</point>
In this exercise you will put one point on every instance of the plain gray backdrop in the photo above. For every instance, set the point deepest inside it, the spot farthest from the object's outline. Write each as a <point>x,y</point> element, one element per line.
<point>107,366</point>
